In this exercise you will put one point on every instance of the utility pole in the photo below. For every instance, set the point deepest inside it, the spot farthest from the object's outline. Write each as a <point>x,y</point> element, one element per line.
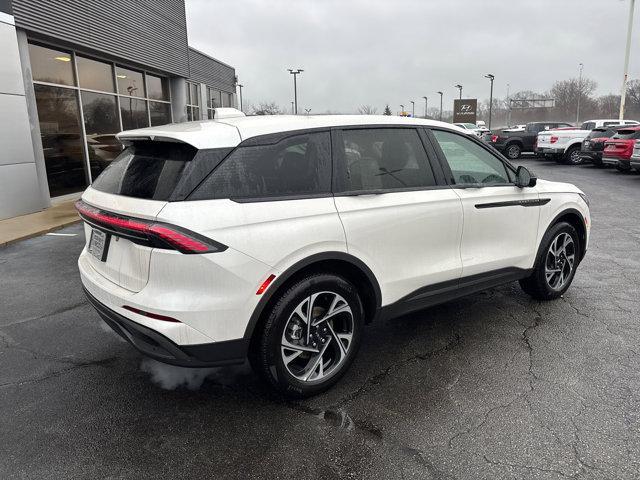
<point>426,104</point>
<point>413,109</point>
<point>291,108</point>
<point>579,94</point>
<point>459,87</point>
<point>240,87</point>
<point>440,104</point>
<point>491,78</point>
<point>508,106</point>
<point>295,74</point>
<point>623,93</point>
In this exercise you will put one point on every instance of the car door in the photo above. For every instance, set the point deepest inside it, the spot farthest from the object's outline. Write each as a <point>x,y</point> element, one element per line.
<point>500,219</point>
<point>398,214</point>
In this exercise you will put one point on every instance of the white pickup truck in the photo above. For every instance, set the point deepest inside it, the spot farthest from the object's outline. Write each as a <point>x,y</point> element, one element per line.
<point>564,144</point>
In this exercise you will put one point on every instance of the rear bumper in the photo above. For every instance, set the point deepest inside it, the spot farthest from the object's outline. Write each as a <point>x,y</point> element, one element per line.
<point>635,162</point>
<point>610,160</point>
<point>157,346</point>
<point>593,157</point>
<point>550,151</point>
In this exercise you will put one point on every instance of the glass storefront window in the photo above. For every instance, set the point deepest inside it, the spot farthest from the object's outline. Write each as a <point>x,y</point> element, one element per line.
<point>134,113</point>
<point>101,124</point>
<point>61,139</point>
<point>95,75</point>
<point>51,66</point>
<point>130,82</point>
<point>158,88</point>
<point>160,113</point>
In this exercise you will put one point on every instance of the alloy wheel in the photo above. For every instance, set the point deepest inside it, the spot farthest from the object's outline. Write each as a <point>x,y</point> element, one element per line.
<point>513,152</point>
<point>560,261</point>
<point>317,337</point>
<point>575,157</point>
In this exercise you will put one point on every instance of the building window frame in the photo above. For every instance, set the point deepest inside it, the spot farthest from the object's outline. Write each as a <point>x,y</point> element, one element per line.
<point>113,64</point>
<point>192,106</point>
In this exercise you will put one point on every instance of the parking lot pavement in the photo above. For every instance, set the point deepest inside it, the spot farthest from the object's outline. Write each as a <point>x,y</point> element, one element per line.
<point>491,386</point>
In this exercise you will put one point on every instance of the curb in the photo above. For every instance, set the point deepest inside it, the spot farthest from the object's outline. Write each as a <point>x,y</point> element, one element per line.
<point>40,232</point>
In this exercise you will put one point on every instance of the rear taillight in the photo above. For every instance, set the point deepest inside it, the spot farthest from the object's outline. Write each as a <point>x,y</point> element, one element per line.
<point>553,139</point>
<point>155,234</point>
<point>494,138</point>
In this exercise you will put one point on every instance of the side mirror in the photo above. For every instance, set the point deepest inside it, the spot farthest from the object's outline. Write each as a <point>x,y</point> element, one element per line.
<point>524,178</point>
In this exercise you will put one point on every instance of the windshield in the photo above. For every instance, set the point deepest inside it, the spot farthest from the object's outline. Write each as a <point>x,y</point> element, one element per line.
<point>601,133</point>
<point>588,126</point>
<point>627,134</point>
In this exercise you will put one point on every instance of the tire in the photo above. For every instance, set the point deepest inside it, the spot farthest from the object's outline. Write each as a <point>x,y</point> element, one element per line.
<point>513,151</point>
<point>282,337</point>
<point>551,276</point>
<point>572,156</point>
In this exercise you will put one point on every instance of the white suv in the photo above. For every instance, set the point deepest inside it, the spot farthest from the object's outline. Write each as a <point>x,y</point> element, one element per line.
<point>278,238</point>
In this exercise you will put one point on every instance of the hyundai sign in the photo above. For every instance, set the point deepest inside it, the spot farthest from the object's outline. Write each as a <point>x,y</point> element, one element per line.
<point>465,110</point>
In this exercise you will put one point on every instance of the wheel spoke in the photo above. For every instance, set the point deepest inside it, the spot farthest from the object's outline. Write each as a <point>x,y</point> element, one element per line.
<point>343,350</point>
<point>302,348</point>
<point>289,358</point>
<point>315,362</point>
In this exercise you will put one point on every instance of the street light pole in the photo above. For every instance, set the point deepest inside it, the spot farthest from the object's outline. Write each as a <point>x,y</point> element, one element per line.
<point>459,87</point>
<point>440,104</point>
<point>490,77</point>
<point>240,87</point>
<point>295,74</point>
<point>623,93</point>
<point>579,94</point>
<point>413,109</point>
<point>508,106</point>
<point>401,109</point>
<point>426,104</point>
<point>291,108</point>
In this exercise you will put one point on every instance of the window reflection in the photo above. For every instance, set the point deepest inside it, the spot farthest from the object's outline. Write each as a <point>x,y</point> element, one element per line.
<point>160,113</point>
<point>101,124</point>
<point>51,66</point>
<point>134,113</point>
<point>130,82</point>
<point>158,88</point>
<point>61,139</point>
<point>95,75</point>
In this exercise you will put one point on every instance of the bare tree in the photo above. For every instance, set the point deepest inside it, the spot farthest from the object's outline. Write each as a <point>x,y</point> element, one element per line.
<point>265,108</point>
<point>367,110</point>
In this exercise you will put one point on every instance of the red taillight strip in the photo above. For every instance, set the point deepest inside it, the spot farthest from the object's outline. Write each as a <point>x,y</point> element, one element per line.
<point>175,237</point>
<point>265,284</point>
<point>155,316</point>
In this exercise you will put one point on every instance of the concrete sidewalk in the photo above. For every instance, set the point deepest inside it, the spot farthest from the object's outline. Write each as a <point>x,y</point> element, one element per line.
<point>26,226</point>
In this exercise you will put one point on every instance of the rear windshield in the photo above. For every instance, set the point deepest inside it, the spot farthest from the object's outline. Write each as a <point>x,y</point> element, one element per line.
<point>588,126</point>
<point>149,170</point>
<point>627,134</point>
<point>601,133</point>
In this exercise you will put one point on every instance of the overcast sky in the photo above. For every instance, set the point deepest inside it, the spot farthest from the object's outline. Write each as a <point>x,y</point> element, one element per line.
<point>373,52</point>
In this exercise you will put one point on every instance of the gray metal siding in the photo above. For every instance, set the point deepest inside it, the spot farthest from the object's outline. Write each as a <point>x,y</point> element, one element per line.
<point>210,71</point>
<point>151,33</point>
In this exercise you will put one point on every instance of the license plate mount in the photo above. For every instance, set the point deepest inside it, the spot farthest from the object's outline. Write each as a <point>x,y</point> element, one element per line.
<point>99,244</point>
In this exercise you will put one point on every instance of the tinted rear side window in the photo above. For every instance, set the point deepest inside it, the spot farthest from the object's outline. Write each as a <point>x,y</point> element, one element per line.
<point>149,170</point>
<point>627,134</point>
<point>295,166</point>
<point>383,159</point>
<point>601,133</point>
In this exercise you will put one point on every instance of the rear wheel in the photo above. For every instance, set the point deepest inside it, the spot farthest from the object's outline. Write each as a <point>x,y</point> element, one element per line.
<point>572,156</point>
<point>556,264</point>
<point>513,151</point>
<point>311,335</point>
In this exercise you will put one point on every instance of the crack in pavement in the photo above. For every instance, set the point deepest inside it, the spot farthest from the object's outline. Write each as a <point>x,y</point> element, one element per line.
<point>50,314</point>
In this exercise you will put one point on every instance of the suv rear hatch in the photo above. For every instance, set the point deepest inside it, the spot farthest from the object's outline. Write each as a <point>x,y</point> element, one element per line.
<point>121,206</point>
<point>622,143</point>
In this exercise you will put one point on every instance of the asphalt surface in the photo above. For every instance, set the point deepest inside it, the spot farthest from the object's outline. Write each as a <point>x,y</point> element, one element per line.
<point>488,387</point>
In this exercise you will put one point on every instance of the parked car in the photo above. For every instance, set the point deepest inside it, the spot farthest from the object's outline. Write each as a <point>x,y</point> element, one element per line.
<point>471,128</point>
<point>564,144</point>
<point>635,157</point>
<point>618,149</point>
<point>593,146</point>
<point>280,237</point>
<point>512,143</point>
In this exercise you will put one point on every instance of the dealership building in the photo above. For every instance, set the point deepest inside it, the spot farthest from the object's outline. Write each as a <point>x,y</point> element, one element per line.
<point>75,73</point>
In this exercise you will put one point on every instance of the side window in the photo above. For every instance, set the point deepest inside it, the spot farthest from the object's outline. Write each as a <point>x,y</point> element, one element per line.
<point>298,165</point>
<point>383,159</point>
<point>469,162</point>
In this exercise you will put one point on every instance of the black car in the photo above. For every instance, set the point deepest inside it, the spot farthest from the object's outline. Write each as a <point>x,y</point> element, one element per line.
<point>513,143</point>
<point>593,146</point>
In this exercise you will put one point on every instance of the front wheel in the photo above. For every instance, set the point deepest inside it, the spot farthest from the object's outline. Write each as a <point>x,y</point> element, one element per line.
<point>311,335</point>
<point>556,263</point>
